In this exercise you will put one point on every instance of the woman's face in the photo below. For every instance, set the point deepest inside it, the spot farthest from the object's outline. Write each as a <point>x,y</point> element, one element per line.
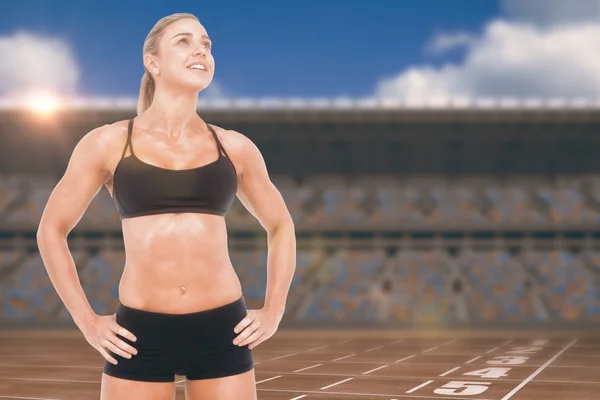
<point>185,43</point>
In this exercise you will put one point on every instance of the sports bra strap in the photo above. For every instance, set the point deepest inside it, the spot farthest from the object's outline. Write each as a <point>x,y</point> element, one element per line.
<point>221,148</point>
<point>128,142</point>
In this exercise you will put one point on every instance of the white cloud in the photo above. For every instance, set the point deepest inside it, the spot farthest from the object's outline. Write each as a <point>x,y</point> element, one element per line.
<point>510,59</point>
<point>36,62</point>
<point>553,12</point>
<point>444,42</point>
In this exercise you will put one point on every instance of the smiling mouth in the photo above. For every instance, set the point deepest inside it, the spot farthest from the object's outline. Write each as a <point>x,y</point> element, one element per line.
<point>197,67</point>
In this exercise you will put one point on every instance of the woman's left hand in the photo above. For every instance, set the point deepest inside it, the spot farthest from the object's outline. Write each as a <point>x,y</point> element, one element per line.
<point>256,327</point>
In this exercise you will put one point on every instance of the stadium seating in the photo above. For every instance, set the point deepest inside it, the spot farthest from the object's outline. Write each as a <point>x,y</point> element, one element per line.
<point>353,284</point>
<point>382,201</point>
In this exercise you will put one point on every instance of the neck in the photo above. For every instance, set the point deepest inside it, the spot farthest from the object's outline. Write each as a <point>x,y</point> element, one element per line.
<point>172,111</point>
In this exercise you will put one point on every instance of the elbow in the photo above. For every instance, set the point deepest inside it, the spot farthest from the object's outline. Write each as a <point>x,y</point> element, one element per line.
<point>50,229</point>
<point>285,224</point>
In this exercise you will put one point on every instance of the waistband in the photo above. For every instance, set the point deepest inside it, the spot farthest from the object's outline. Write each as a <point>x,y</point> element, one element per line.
<point>213,327</point>
<point>236,305</point>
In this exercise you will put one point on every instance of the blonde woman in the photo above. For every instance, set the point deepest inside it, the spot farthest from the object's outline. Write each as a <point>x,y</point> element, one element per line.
<point>172,177</point>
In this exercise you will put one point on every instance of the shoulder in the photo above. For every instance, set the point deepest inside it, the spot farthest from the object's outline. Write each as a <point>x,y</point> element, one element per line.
<point>100,145</point>
<point>106,136</point>
<point>242,150</point>
<point>233,140</point>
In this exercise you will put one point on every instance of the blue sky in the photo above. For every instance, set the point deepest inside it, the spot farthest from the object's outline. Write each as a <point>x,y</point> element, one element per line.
<point>307,48</point>
<point>323,48</point>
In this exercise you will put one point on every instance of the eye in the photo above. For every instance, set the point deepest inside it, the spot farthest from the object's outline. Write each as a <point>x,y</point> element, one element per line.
<point>183,39</point>
<point>208,44</point>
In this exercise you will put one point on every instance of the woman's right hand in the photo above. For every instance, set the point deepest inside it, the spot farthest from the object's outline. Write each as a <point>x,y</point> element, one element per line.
<point>101,332</point>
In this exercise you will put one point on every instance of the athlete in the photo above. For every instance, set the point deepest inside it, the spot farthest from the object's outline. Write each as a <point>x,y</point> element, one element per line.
<point>172,177</point>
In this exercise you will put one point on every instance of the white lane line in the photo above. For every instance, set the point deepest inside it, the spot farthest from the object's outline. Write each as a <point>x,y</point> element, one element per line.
<point>397,341</point>
<point>337,383</point>
<point>27,398</point>
<point>269,379</point>
<point>374,348</point>
<point>374,369</point>
<point>540,342</point>
<point>537,371</point>
<point>405,358</point>
<point>433,348</point>
<point>183,380</point>
<point>492,350</point>
<point>347,395</point>
<point>450,371</point>
<point>298,397</point>
<point>287,355</point>
<point>344,341</point>
<point>450,342</point>
<point>422,385</point>
<point>48,380</point>
<point>473,359</point>
<point>304,369</point>
<point>49,366</point>
<point>318,348</point>
<point>341,358</point>
<point>508,342</point>
<point>53,356</point>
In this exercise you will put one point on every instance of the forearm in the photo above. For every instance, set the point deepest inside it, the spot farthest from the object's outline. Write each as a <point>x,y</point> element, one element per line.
<point>281,265</point>
<point>62,272</point>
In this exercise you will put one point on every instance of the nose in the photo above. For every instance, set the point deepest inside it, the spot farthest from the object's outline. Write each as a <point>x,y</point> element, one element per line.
<point>200,49</point>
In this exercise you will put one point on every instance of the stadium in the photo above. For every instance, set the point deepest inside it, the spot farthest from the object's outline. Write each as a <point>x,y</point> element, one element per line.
<point>431,237</point>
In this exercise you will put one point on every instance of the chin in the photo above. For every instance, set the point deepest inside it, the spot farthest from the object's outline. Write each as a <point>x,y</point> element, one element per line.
<point>196,85</point>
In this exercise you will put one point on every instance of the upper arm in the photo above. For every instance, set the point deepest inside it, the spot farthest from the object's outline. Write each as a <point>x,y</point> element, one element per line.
<point>256,191</point>
<point>83,178</point>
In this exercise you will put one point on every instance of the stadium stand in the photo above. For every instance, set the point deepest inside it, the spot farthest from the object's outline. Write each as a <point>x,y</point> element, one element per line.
<point>424,218</point>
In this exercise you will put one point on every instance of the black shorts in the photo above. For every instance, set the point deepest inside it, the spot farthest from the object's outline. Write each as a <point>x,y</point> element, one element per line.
<point>198,345</point>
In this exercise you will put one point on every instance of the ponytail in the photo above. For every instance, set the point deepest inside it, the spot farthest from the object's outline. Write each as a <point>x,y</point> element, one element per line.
<point>147,89</point>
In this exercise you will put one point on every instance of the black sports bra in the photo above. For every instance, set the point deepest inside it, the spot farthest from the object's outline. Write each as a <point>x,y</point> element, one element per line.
<point>140,188</point>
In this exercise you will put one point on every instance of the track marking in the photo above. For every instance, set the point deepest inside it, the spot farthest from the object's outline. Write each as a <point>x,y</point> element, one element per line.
<point>422,385</point>
<point>541,342</point>
<point>49,380</point>
<point>374,348</point>
<point>368,394</point>
<point>337,383</point>
<point>298,397</point>
<point>341,358</point>
<point>405,358</point>
<point>492,350</point>
<point>49,366</point>
<point>450,371</point>
<point>269,379</point>
<point>317,348</point>
<point>288,355</point>
<point>375,369</point>
<point>433,348</point>
<point>397,341</point>
<point>183,380</point>
<point>379,376</point>
<point>304,369</point>
<point>473,359</point>
<point>28,398</point>
<point>450,342</point>
<point>344,341</point>
<point>537,371</point>
<point>508,342</point>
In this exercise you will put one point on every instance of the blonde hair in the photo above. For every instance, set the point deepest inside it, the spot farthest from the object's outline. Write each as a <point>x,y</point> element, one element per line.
<point>148,85</point>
